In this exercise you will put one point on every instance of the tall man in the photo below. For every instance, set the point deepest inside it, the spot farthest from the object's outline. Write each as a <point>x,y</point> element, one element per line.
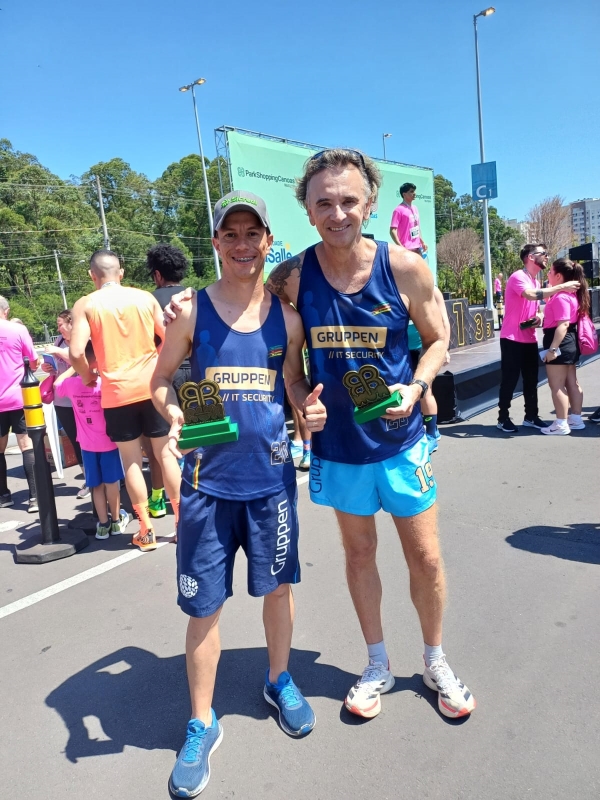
<point>356,297</point>
<point>122,323</point>
<point>243,493</point>
<point>15,344</point>
<point>518,341</point>
<point>405,228</point>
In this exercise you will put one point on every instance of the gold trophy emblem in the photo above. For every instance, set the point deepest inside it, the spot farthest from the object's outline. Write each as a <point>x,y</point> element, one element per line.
<point>369,393</point>
<point>204,415</point>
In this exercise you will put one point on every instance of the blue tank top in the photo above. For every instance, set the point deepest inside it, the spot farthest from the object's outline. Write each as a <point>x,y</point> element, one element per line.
<point>249,370</point>
<point>345,332</point>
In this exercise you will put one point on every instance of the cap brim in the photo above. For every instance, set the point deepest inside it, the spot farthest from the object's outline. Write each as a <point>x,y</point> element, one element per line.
<point>242,207</point>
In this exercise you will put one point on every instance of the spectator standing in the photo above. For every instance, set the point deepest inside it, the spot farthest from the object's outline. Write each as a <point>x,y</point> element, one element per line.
<point>101,456</point>
<point>15,344</point>
<point>405,228</point>
<point>122,323</point>
<point>561,344</point>
<point>62,405</point>
<point>167,266</point>
<point>518,341</point>
<point>498,288</point>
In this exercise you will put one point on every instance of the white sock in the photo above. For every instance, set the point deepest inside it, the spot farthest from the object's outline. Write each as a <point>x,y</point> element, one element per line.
<point>432,653</point>
<point>378,653</point>
<point>562,423</point>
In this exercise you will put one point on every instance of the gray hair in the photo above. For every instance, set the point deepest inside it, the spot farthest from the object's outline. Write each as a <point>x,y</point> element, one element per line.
<point>340,157</point>
<point>4,305</point>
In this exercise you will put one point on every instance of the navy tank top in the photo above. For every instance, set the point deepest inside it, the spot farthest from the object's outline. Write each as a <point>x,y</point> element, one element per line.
<point>345,332</point>
<point>249,370</point>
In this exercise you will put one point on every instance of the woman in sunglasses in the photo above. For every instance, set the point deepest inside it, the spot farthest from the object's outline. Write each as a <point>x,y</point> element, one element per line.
<point>561,346</point>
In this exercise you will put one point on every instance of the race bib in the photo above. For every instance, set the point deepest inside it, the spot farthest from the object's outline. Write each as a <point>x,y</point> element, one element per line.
<point>414,232</point>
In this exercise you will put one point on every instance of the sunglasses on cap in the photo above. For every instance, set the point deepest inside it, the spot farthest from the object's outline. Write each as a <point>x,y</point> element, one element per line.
<point>344,150</point>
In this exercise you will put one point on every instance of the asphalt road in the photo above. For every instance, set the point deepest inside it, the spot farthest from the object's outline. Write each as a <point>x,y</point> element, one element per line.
<point>93,697</point>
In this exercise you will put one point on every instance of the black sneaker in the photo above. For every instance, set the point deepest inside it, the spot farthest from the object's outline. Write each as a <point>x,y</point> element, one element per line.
<point>507,425</point>
<point>595,417</point>
<point>6,500</point>
<point>536,422</point>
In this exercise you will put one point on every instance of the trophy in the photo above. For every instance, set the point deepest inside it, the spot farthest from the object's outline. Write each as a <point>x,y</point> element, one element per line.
<point>370,395</point>
<point>204,415</point>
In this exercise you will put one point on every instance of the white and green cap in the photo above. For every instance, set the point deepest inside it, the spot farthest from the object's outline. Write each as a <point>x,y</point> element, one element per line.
<point>241,201</point>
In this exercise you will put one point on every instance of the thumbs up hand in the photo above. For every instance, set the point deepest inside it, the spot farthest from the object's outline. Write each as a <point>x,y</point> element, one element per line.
<point>315,412</point>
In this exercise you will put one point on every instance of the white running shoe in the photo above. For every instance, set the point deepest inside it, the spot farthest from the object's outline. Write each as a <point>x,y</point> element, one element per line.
<point>557,430</point>
<point>363,698</point>
<point>454,698</point>
<point>575,422</point>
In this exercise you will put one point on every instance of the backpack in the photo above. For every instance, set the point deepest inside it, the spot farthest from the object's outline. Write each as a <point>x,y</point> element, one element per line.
<point>587,336</point>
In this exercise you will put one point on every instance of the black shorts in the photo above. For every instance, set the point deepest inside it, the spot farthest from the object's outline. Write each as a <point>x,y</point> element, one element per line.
<point>415,355</point>
<point>126,423</point>
<point>569,347</point>
<point>12,420</point>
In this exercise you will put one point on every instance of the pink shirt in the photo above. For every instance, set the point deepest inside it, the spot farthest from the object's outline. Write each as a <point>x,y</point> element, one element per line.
<point>406,221</point>
<point>15,343</point>
<point>517,309</point>
<point>497,286</point>
<point>561,307</point>
<point>89,416</point>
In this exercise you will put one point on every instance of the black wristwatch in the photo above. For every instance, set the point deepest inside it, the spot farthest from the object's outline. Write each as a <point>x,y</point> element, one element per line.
<point>424,386</point>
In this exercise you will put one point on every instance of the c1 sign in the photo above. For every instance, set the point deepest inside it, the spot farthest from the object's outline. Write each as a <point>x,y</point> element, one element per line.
<point>485,183</point>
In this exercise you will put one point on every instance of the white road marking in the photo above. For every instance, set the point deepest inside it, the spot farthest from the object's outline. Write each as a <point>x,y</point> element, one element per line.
<point>43,594</point>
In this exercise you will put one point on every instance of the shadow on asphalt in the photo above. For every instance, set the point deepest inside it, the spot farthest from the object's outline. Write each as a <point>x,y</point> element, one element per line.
<point>141,699</point>
<point>577,542</point>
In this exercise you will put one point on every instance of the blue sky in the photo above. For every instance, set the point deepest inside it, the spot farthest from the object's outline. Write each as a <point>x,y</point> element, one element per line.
<point>83,82</point>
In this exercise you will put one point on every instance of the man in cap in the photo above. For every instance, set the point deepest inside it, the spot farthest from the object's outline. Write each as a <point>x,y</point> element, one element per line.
<point>240,493</point>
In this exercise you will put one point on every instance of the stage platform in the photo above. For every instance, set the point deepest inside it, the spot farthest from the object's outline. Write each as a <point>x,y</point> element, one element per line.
<point>476,371</point>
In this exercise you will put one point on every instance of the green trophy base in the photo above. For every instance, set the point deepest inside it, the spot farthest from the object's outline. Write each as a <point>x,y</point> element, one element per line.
<point>205,433</point>
<point>368,413</point>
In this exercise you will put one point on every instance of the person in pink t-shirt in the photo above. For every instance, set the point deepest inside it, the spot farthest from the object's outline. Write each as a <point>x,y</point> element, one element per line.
<point>561,346</point>
<point>15,344</point>
<point>405,227</point>
<point>101,459</point>
<point>518,341</point>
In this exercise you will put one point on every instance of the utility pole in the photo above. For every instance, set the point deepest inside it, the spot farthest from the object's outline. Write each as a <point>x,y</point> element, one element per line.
<point>60,280</point>
<point>102,217</point>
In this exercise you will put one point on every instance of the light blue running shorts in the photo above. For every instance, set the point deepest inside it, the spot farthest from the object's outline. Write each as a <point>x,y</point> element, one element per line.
<point>402,485</point>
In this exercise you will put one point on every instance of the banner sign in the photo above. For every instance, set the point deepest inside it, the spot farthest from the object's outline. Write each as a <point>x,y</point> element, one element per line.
<point>484,181</point>
<point>270,168</point>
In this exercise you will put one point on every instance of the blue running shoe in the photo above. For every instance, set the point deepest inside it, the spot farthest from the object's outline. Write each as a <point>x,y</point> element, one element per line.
<point>296,717</point>
<point>432,443</point>
<point>191,772</point>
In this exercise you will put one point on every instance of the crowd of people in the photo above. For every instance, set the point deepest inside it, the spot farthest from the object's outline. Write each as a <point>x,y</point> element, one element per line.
<point>347,301</point>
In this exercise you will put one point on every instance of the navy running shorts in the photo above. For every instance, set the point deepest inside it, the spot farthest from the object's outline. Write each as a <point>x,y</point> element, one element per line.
<point>211,530</point>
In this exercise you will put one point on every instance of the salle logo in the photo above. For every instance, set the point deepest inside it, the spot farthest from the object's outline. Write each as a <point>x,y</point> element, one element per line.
<point>279,252</point>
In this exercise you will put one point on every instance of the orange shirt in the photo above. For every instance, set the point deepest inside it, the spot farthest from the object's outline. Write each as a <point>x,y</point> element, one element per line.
<point>122,324</point>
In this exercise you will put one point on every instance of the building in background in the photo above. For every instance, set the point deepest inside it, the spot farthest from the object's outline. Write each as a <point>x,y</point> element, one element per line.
<point>585,220</point>
<point>524,228</point>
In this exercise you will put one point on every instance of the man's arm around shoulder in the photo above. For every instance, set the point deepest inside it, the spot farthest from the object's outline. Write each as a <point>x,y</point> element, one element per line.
<point>284,280</point>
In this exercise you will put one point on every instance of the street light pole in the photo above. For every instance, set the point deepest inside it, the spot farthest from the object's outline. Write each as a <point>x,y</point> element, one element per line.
<point>385,136</point>
<point>192,86</point>
<point>487,259</point>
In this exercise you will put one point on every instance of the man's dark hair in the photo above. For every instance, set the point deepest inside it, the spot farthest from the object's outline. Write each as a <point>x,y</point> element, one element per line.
<point>528,249</point>
<point>168,260</point>
<point>103,252</point>
<point>407,187</point>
